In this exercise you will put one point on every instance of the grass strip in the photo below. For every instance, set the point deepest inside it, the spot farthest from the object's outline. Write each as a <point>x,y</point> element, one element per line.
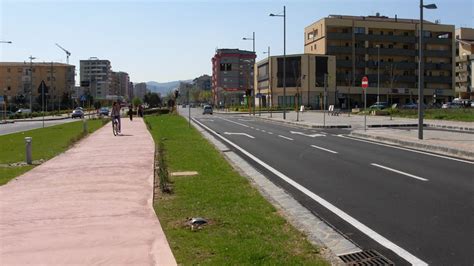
<point>243,227</point>
<point>47,143</point>
<point>462,114</point>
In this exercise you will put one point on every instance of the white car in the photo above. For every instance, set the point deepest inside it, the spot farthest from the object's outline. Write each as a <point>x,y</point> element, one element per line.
<point>23,111</point>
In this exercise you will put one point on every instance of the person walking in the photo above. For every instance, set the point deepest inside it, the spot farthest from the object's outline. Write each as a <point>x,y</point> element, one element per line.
<point>130,112</point>
<point>140,110</point>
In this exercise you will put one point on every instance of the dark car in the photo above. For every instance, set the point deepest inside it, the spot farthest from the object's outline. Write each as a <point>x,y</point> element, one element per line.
<point>77,113</point>
<point>104,111</point>
<point>207,110</point>
<point>410,106</point>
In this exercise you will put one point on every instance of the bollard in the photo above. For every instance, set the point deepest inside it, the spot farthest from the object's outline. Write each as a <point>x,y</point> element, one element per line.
<point>28,150</point>
<point>84,126</point>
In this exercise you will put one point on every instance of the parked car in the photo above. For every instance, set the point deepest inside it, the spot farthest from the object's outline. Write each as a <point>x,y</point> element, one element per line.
<point>450,105</point>
<point>409,106</point>
<point>379,105</point>
<point>23,111</point>
<point>207,110</point>
<point>77,113</point>
<point>104,111</point>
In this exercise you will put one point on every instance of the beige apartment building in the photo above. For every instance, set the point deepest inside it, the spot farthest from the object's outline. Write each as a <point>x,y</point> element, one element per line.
<point>16,79</point>
<point>360,42</point>
<point>305,74</point>
<point>465,63</point>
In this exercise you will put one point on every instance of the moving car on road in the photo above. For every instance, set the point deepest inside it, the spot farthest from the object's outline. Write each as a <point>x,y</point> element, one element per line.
<point>77,113</point>
<point>207,110</point>
<point>410,106</point>
<point>23,111</point>
<point>104,111</point>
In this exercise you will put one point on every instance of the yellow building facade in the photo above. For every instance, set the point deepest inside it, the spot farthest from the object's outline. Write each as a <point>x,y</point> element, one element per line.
<point>18,79</point>
<point>386,51</point>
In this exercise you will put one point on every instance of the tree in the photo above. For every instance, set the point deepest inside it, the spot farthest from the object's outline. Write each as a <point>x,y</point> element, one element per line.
<point>66,99</point>
<point>392,78</point>
<point>152,99</point>
<point>205,96</point>
<point>136,101</point>
<point>195,92</point>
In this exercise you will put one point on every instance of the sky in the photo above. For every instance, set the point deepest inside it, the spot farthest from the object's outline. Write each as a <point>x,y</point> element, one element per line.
<point>175,40</point>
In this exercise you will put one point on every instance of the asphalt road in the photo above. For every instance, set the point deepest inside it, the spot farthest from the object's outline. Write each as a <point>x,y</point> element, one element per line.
<point>24,126</point>
<point>412,207</point>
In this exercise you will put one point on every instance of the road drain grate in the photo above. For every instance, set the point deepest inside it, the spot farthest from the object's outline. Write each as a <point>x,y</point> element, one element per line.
<point>368,257</point>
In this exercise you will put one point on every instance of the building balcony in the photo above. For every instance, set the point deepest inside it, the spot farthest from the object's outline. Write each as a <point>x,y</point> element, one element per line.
<point>386,38</point>
<point>332,50</point>
<point>440,66</point>
<point>348,64</point>
<point>391,51</point>
<point>396,65</point>
<point>435,40</point>
<point>386,78</point>
<point>338,36</point>
<point>437,53</point>
<point>438,79</point>
<point>462,78</point>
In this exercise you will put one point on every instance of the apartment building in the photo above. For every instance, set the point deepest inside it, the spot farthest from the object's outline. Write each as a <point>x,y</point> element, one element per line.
<point>96,77</point>
<point>119,87</point>
<point>140,90</point>
<point>232,75</point>
<point>386,51</point>
<point>465,63</point>
<point>18,79</point>
<point>305,81</point>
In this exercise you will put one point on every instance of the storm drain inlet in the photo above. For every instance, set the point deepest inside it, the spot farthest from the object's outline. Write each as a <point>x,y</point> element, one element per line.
<point>368,257</point>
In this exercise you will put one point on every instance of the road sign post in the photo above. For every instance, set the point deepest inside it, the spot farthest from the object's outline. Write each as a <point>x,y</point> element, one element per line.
<point>365,84</point>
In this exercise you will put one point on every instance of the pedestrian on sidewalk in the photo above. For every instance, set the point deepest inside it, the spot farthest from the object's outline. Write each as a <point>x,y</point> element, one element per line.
<point>130,112</point>
<point>140,110</point>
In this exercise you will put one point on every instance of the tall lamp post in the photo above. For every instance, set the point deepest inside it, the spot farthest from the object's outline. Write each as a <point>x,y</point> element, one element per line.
<point>378,72</point>
<point>31,83</point>
<point>421,72</point>
<point>253,42</point>
<point>284,58</point>
<point>269,79</point>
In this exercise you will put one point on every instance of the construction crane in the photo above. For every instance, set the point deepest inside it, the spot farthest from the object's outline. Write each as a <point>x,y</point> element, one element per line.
<point>66,51</point>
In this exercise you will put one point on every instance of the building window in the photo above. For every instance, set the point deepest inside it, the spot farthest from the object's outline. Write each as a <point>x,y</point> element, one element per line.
<point>311,48</point>
<point>359,30</point>
<point>381,32</point>
<point>405,46</point>
<point>390,33</point>
<point>8,70</point>
<point>390,46</point>
<point>347,44</point>
<point>426,34</point>
<point>310,36</point>
<point>405,33</point>
<point>371,32</point>
<point>222,67</point>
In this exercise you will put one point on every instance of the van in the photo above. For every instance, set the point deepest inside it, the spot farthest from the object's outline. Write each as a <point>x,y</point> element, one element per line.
<point>23,111</point>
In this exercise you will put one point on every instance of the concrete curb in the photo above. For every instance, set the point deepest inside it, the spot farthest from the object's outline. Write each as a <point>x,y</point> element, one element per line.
<point>419,146</point>
<point>39,120</point>
<point>469,129</point>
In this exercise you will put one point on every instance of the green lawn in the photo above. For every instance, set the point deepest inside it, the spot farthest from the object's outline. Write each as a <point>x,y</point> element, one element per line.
<point>47,143</point>
<point>244,228</point>
<point>463,114</point>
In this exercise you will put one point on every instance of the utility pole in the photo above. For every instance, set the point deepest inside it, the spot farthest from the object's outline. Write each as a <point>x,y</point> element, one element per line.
<point>324,98</point>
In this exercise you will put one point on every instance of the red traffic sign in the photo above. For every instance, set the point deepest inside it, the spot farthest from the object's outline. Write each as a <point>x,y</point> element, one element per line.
<point>365,82</point>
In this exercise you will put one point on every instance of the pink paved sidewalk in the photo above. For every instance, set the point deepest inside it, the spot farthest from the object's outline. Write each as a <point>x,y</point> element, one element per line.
<point>90,205</point>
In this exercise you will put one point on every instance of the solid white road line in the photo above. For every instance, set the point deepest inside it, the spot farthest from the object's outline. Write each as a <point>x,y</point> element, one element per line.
<point>285,137</point>
<point>346,217</point>
<point>405,149</point>
<point>240,124</point>
<point>241,134</point>
<point>271,133</point>
<point>399,172</point>
<point>321,148</point>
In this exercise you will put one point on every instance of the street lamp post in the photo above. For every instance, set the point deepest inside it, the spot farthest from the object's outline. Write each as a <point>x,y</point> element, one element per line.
<point>269,80</point>
<point>31,84</point>
<point>284,57</point>
<point>421,72</point>
<point>378,72</point>
<point>253,45</point>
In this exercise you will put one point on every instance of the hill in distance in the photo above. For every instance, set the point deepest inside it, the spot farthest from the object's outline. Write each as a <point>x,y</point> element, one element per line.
<point>164,87</point>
